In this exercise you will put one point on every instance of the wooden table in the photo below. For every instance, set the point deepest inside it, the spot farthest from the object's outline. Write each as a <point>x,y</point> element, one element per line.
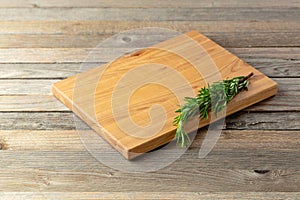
<point>257,156</point>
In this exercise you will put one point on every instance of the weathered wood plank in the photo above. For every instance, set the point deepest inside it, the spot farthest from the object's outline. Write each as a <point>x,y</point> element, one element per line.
<point>255,39</point>
<point>65,121</point>
<point>250,149</point>
<point>281,102</point>
<point>58,55</point>
<point>59,179</point>
<point>284,63</point>
<point>225,39</point>
<point>36,121</point>
<point>21,140</point>
<point>259,140</point>
<point>50,41</point>
<point>113,27</point>
<point>26,87</point>
<point>261,121</point>
<point>287,98</point>
<point>273,67</point>
<point>73,55</point>
<point>41,70</point>
<point>151,14</point>
<point>284,53</point>
<point>234,140</point>
<point>225,33</point>
<point>145,4</point>
<point>41,103</point>
<point>152,195</point>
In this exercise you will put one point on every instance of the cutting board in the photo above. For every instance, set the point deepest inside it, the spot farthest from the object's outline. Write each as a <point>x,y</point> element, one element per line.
<point>130,101</point>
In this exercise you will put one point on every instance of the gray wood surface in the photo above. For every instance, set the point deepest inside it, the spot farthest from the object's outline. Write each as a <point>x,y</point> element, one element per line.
<point>152,195</point>
<point>151,14</point>
<point>146,4</point>
<point>227,33</point>
<point>42,157</point>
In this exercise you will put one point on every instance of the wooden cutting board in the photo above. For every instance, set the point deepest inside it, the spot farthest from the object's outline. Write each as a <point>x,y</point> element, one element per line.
<point>131,101</point>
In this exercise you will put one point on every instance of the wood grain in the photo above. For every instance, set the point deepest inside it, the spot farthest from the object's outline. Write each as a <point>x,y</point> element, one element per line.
<point>99,115</point>
<point>59,55</point>
<point>150,14</point>
<point>25,87</point>
<point>40,103</point>
<point>288,56</point>
<point>42,70</point>
<point>267,120</point>
<point>235,140</point>
<point>285,100</point>
<point>36,121</point>
<point>145,4</point>
<point>248,149</point>
<point>41,154</point>
<point>152,195</point>
<point>85,40</point>
<point>82,178</point>
<point>103,27</point>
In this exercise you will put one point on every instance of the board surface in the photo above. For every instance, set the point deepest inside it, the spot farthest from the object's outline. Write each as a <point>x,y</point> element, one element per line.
<point>131,101</point>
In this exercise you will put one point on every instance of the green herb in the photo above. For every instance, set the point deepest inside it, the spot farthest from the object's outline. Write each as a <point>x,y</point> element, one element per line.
<point>212,98</point>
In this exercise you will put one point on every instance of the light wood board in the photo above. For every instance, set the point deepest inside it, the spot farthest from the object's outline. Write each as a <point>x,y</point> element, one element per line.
<point>173,69</point>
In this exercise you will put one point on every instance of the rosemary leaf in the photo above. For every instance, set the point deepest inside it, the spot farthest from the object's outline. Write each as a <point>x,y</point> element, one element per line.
<point>214,98</point>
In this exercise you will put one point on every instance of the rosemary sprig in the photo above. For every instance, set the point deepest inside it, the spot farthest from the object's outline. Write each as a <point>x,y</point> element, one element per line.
<point>212,98</point>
